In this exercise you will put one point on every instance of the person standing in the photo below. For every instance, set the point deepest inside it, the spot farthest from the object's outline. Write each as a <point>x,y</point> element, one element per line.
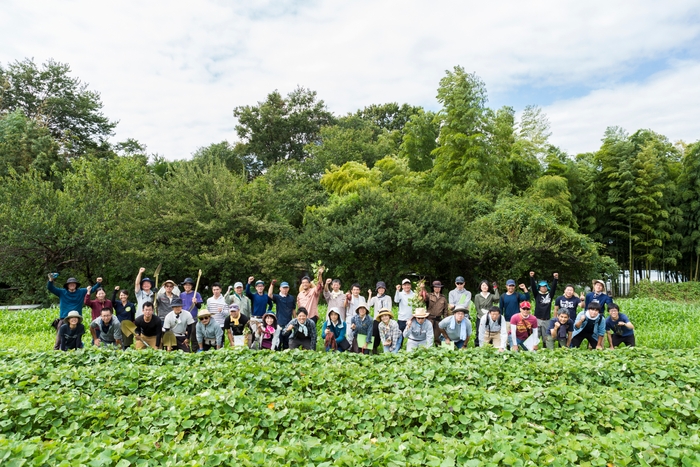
<point>149,329</point>
<point>262,304</point>
<point>164,300</point>
<point>191,300</point>
<point>218,310</point>
<point>419,331</point>
<point>209,333</point>
<point>70,333</point>
<point>589,326</point>
<point>100,302</point>
<point>522,326</point>
<point>509,302</point>
<point>619,328</point>
<point>70,298</point>
<point>335,298</point>
<point>543,296</point>
<point>403,297</point>
<point>459,295</point>
<point>456,328</point>
<point>493,330</point>
<point>301,331</point>
<point>285,306</point>
<point>238,297</point>
<point>437,306</point>
<point>143,288</point>
<point>106,329</point>
<point>181,323</point>
<point>309,293</point>
<point>353,300</point>
<point>378,302</point>
<point>598,296</point>
<point>569,302</point>
<point>483,302</point>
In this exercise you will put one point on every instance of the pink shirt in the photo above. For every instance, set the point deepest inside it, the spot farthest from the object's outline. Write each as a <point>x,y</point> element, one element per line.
<point>309,300</point>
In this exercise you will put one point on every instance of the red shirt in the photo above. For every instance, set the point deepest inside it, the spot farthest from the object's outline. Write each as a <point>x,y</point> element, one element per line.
<point>96,306</point>
<point>523,326</point>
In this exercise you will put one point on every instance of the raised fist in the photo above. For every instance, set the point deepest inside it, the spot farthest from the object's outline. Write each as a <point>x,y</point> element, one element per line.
<point>532,273</point>
<point>142,270</point>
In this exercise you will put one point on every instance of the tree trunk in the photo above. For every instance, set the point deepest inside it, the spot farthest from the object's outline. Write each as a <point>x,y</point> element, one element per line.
<point>697,265</point>
<point>631,259</point>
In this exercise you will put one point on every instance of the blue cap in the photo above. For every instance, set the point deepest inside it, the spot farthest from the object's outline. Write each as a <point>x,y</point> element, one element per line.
<point>284,284</point>
<point>542,284</point>
<point>257,283</point>
<point>510,282</point>
<point>459,279</point>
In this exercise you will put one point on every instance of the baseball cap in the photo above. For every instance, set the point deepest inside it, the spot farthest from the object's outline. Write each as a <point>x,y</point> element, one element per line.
<point>459,279</point>
<point>237,284</point>
<point>525,305</point>
<point>510,282</point>
<point>405,281</point>
<point>284,284</point>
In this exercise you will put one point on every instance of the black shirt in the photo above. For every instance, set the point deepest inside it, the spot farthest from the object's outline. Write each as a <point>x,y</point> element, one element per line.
<point>236,330</point>
<point>71,338</point>
<point>152,329</point>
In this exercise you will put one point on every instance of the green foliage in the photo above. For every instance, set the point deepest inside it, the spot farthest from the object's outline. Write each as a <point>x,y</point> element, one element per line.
<point>420,140</point>
<point>687,292</point>
<point>49,96</point>
<point>275,408</point>
<point>279,128</point>
<point>25,145</point>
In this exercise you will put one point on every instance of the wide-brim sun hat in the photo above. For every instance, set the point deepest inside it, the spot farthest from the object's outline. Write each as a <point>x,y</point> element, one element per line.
<point>149,280</point>
<point>437,284</point>
<point>382,312</point>
<point>71,280</point>
<point>73,314</point>
<point>598,281</point>
<point>420,313</point>
<point>461,308</point>
<point>176,301</point>
<point>380,285</point>
<point>362,305</point>
<point>169,282</point>
<point>204,314</point>
<point>188,280</point>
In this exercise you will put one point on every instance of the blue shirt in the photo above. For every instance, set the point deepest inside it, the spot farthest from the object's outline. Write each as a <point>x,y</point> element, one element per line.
<point>510,304</point>
<point>261,303</point>
<point>68,301</point>
<point>284,307</point>
<point>615,327</point>
<point>186,298</point>
<point>600,298</point>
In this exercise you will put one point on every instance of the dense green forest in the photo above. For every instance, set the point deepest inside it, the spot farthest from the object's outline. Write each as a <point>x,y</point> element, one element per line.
<point>377,194</point>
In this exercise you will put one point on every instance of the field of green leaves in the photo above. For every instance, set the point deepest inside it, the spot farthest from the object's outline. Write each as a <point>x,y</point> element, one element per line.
<point>96,407</point>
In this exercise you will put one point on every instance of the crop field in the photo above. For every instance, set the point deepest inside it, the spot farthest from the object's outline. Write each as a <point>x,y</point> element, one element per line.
<point>637,406</point>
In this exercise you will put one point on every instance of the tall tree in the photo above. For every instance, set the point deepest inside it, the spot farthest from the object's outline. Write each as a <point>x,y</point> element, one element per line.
<point>63,104</point>
<point>279,128</point>
<point>462,153</point>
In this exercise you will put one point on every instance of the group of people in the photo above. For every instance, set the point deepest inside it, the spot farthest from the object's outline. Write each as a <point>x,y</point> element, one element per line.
<point>174,319</point>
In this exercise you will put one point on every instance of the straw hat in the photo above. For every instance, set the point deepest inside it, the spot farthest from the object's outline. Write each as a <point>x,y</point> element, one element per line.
<point>382,312</point>
<point>73,314</point>
<point>204,314</point>
<point>420,313</point>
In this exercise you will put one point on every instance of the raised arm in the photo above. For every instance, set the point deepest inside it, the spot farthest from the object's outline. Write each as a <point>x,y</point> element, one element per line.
<point>137,283</point>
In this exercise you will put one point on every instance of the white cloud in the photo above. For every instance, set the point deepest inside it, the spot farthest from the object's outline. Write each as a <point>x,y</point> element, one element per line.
<point>668,103</point>
<point>173,72</point>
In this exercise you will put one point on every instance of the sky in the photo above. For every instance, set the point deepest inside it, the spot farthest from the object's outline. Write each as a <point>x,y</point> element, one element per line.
<point>172,72</point>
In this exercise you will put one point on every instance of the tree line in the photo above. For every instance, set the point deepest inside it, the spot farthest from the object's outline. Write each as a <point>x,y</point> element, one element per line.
<point>387,191</point>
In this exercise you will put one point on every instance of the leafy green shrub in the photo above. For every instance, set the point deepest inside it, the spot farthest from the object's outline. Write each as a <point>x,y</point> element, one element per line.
<point>682,292</point>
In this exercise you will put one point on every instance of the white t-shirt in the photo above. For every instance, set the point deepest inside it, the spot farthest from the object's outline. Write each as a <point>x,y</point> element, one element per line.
<point>213,305</point>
